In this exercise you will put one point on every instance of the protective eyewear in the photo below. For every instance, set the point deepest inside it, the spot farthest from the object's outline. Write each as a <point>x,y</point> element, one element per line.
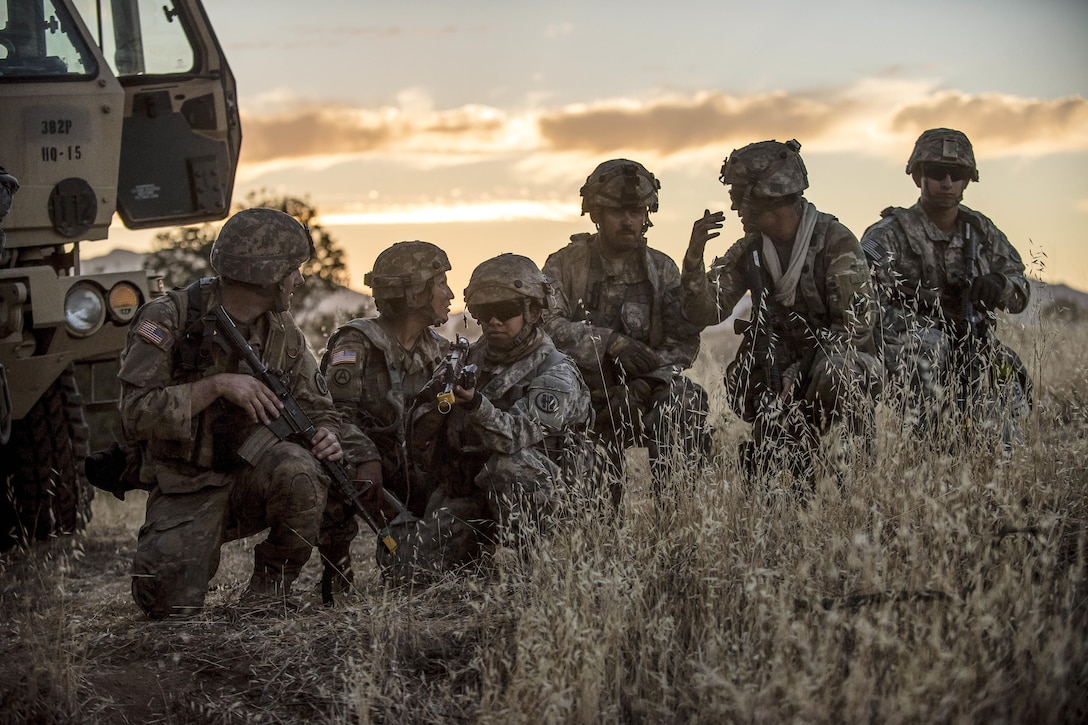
<point>937,173</point>
<point>501,311</point>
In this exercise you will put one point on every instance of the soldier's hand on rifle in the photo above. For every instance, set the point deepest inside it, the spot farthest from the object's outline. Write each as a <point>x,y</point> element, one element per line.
<point>325,446</point>
<point>247,392</point>
<point>470,398</point>
<point>636,358</point>
<point>371,496</point>
<point>703,231</point>
<point>986,290</point>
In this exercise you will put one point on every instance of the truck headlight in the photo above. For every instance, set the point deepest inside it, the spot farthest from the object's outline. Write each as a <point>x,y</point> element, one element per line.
<point>123,300</point>
<point>84,309</point>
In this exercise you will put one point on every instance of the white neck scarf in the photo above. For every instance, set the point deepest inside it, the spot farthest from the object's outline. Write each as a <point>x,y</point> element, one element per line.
<point>785,285</point>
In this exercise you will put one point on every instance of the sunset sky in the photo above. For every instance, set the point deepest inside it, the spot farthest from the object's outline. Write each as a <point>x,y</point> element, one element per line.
<point>473,124</point>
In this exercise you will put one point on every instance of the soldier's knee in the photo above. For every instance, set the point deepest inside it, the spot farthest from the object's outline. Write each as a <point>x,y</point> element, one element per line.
<point>298,481</point>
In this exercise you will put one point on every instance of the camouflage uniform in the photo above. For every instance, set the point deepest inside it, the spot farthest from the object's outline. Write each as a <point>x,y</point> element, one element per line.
<point>638,298</point>
<point>373,380</point>
<point>500,463</point>
<point>823,341</point>
<point>923,280</point>
<point>214,477</point>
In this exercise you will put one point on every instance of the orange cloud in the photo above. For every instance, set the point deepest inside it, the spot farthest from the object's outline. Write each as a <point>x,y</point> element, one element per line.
<point>1002,121</point>
<point>309,132</point>
<point>312,131</point>
<point>874,116</point>
<point>672,126</point>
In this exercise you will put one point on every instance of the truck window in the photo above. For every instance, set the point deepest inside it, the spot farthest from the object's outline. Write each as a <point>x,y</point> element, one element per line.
<point>39,39</point>
<point>140,37</point>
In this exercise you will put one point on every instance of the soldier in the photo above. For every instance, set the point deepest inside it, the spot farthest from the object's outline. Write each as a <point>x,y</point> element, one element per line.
<point>214,471</point>
<point>941,270</point>
<point>619,317</point>
<point>509,441</point>
<point>808,358</point>
<point>375,368</point>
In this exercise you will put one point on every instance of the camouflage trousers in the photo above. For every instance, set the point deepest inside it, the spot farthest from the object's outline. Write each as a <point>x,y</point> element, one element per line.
<point>178,549</point>
<point>950,392</point>
<point>837,394</point>
<point>668,416</point>
<point>510,500</point>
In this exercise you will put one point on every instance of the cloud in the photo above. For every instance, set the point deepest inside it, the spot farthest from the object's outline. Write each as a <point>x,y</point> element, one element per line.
<point>875,116</point>
<point>675,125</point>
<point>310,131</point>
<point>1000,122</point>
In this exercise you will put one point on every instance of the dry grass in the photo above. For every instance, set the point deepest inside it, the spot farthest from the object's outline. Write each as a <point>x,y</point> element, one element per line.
<point>938,589</point>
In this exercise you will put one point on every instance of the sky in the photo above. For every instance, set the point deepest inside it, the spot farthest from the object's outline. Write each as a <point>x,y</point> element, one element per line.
<point>473,124</point>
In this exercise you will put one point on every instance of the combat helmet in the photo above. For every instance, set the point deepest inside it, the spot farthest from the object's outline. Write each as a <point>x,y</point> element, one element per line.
<point>942,146</point>
<point>768,169</point>
<point>403,270</point>
<point>508,277</point>
<point>260,246</point>
<point>619,183</point>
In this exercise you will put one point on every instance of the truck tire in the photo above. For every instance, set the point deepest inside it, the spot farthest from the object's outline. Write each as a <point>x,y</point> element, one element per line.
<point>45,490</point>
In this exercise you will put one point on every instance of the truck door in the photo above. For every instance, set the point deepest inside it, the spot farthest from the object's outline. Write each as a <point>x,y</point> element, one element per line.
<point>181,133</point>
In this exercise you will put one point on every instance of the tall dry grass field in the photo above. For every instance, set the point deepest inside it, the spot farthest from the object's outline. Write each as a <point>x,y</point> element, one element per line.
<point>939,588</point>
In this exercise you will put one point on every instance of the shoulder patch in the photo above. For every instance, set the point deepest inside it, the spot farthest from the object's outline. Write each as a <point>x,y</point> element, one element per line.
<point>343,356</point>
<point>547,402</point>
<point>341,378</point>
<point>321,383</point>
<point>152,332</point>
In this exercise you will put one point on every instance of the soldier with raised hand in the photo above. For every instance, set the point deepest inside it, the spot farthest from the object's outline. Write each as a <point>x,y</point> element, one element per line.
<point>375,368</point>
<point>215,472</point>
<point>941,271</point>
<point>509,442</point>
<point>619,316</point>
<point>808,359</point>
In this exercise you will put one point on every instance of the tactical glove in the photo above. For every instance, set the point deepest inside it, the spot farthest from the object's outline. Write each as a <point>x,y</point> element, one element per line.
<point>986,290</point>
<point>636,359</point>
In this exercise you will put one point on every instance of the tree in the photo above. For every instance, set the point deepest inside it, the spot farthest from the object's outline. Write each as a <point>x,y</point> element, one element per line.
<point>181,255</point>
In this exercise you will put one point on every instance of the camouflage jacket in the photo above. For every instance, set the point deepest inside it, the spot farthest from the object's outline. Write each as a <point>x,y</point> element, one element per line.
<point>921,273</point>
<point>185,452</point>
<point>529,403</point>
<point>641,300</point>
<point>834,310</point>
<point>374,380</point>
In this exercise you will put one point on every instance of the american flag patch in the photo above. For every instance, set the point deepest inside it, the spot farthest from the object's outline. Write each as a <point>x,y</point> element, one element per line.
<point>342,356</point>
<point>151,332</point>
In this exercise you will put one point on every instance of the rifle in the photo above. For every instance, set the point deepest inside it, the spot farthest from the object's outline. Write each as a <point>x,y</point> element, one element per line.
<point>760,336</point>
<point>455,373</point>
<point>293,423</point>
<point>975,322</point>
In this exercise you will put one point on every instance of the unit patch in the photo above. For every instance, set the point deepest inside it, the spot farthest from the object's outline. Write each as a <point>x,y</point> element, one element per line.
<point>321,383</point>
<point>547,402</point>
<point>341,377</point>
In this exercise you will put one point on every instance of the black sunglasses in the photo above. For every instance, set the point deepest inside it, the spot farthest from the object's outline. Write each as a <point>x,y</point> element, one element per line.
<point>501,311</point>
<point>937,172</point>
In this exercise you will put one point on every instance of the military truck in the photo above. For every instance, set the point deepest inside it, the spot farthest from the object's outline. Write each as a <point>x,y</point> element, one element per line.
<point>125,106</point>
